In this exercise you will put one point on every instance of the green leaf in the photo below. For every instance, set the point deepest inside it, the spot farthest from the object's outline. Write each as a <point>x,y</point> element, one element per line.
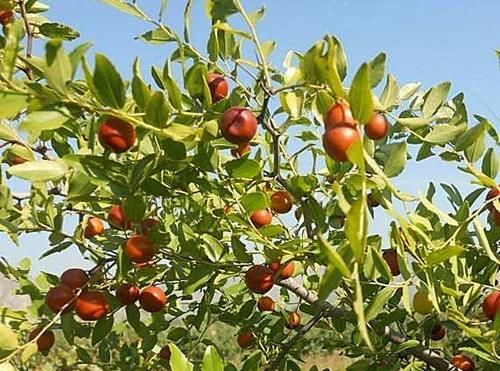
<point>135,207</point>
<point>409,90</point>
<point>293,103</point>
<point>12,104</point>
<point>174,93</point>
<point>476,150</point>
<point>407,345</point>
<point>101,329</point>
<point>179,133</point>
<point>196,84</point>
<point>442,134</point>
<point>157,111</point>
<point>12,47</point>
<point>58,31</point>
<point>7,133</point>
<point>38,121</point>
<point>254,201</point>
<point>108,83</point>
<point>58,68</point>
<point>220,9</point>
<point>243,168</point>
<point>160,35</point>
<point>489,166</point>
<point>334,257</point>
<point>330,281</point>
<point>443,216</point>
<point>415,122</point>
<point>479,353</point>
<point>356,228</point>
<point>390,94</point>
<point>444,254</point>
<point>329,70</point>
<point>377,304</point>
<point>359,308</point>
<point>212,361</point>
<point>360,95</point>
<point>77,55</point>
<point>396,160</point>
<point>38,171</point>
<point>213,248</point>
<point>483,239</point>
<point>377,69</point>
<point>304,184</point>
<point>8,338</point>
<point>28,352</point>
<point>126,8</point>
<point>435,98</point>
<point>178,360</point>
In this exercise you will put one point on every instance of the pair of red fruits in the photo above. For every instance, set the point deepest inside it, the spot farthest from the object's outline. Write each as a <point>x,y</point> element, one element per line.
<point>342,130</point>
<point>281,203</point>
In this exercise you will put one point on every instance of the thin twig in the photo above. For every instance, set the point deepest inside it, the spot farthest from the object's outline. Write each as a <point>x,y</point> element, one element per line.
<point>30,36</point>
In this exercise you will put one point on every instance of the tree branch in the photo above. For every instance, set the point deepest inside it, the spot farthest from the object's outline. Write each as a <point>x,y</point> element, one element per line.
<point>30,35</point>
<point>429,356</point>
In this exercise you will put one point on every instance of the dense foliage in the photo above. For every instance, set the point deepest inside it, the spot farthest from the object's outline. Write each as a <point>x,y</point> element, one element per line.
<point>222,177</point>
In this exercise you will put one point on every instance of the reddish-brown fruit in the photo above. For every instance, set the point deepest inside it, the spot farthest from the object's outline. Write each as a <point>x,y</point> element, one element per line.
<point>494,192</point>
<point>391,258</point>
<point>285,271</point>
<point>372,200</point>
<point>377,127</point>
<point>293,320</point>
<point>58,296</point>
<point>147,225</point>
<point>117,218</point>
<point>241,150</point>
<point>463,362</point>
<point>259,279</point>
<point>165,353</point>
<point>74,278</point>
<point>153,299</point>
<point>15,160</point>
<point>491,305</point>
<point>117,135</point>
<point>95,227</point>
<point>219,88</point>
<point>438,332</point>
<point>238,125</point>
<point>261,218</point>
<point>139,248</point>
<point>339,114</point>
<point>127,293</point>
<point>338,140</point>
<point>246,339</point>
<point>6,17</point>
<point>281,202</point>
<point>92,305</point>
<point>45,341</point>
<point>266,304</point>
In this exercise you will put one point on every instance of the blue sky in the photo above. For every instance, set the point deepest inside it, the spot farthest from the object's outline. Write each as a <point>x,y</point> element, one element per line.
<point>426,40</point>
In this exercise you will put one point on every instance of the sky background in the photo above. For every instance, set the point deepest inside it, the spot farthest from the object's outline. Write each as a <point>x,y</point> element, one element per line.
<point>426,40</point>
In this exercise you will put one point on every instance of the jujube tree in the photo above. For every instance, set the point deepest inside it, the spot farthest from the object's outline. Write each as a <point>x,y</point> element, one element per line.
<point>199,169</point>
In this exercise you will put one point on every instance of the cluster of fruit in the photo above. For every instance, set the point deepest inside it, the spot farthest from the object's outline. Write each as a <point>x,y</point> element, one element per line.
<point>91,305</point>
<point>342,130</point>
